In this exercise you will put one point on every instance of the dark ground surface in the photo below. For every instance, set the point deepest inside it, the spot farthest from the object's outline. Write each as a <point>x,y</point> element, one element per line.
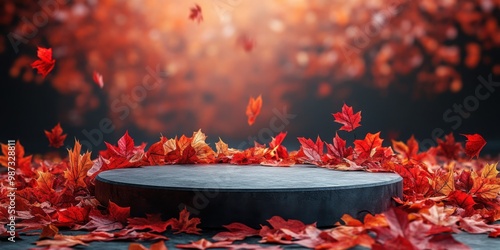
<point>475,241</point>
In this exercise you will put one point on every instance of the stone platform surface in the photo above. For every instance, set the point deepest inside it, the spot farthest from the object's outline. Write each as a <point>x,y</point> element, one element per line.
<point>222,194</point>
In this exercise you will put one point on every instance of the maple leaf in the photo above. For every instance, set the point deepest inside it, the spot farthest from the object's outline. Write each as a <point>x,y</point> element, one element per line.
<point>126,149</point>
<point>61,241</point>
<point>160,245</point>
<point>203,244</point>
<point>45,183</point>
<point>408,150</point>
<point>78,165</point>
<point>196,14</point>
<point>449,148</point>
<point>366,148</point>
<point>22,163</point>
<point>156,153</point>
<point>48,231</point>
<point>476,225</point>
<point>485,188</point>
<point>45,63</point>
<point>184,224</point>
<point>293,225</point>
<point>443,182</point>
<point>237,231</point>
<point>73,215</point>
<point>253,109</point>
<point>152,222</point>
<point>474,144</point>
<point>56,136</point>
<point>489,171</point>
<point>463,200</point>
<point>118,213</point>
<point>338,149</point>
<point>204,153</point>
<point>347,118</point>
<point>98,79</point>
<point>313,151</point>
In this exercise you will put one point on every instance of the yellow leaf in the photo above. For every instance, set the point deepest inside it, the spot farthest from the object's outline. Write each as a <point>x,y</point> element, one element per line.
<point>444,183</point>
<point>78,167</point>
<point>490,171</point>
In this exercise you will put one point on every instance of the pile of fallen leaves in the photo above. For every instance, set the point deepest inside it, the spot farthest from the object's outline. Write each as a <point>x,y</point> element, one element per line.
<point>445,191</point>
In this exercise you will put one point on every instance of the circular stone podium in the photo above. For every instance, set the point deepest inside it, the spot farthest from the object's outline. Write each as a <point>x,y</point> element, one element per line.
<point>221,194</point>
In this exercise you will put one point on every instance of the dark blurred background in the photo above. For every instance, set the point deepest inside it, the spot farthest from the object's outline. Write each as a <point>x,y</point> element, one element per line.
<point>404,64</point>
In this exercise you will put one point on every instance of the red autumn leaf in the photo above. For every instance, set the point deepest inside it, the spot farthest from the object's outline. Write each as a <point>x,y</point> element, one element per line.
<point>48,231</point>
<point>474,145</point>
<point>118,213</point>
<point>449,148</point>
<point>160,245</point>
<point>313,151</point>
<point>61,242</point>
<point>246,42</point>
<point>366,148</point>
<point>253,109</point>
<point>462,200</point>
<point>56,136</point>
<point>293,225</point>
<point>237,231</point>
<point>338,149</point>
<point>73,215</point>
<point>184,224</point>
<point>152,222</point>
<point>347,118</point>
<point>126,149</point>
<point>45,63</point>
<point>204,244</point>
<point>98,79</point>
<point>251,247</point>
<point>196,14</point>
<point>476,225</point>
<point>408,150</point>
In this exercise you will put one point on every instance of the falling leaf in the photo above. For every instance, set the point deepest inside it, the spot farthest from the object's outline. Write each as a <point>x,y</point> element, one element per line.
<point>253,109</point>
<point>474,144</point>
<point>98,79</point>
<point>196,14</point>
<point>56,136</point>
<point>347,118</point>
<point>45,63</point>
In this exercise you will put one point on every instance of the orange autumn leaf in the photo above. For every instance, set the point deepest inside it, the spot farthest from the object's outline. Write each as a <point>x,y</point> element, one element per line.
<point>253,109</point>
<point>366,148</point>
<point>78,166</point>
<point>443,182</point>
<point>489,171</point>
<point>45,182</point>
<point>98,79</point>
<point>56,136</point>
<point>45,63</point>
<point>21,162</point>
